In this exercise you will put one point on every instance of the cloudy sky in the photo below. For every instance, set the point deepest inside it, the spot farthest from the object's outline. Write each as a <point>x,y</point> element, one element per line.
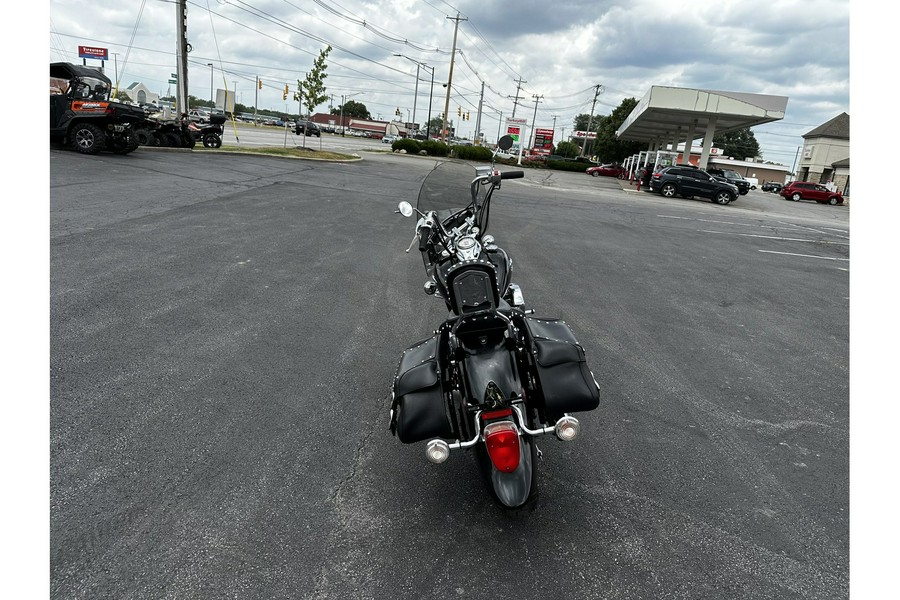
<point>559,51</point>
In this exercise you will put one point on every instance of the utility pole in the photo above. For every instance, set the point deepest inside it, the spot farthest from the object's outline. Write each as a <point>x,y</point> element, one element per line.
<point>444,132</point>
<point>478,117</point>
<point>212,99</point>
<point>181,52</point>
<point>519,83</point>
<point>537,99</point>
<point>554,129</point>
<point>597,89</point>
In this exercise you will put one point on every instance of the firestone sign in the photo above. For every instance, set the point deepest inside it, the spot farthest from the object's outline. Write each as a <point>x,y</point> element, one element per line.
<point>92,52</point>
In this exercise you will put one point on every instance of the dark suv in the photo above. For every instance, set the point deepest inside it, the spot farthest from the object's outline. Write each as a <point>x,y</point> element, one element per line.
<point>307,128</point>
<point>732,177</point>
<point>691,181</point>
<point>805,190</point>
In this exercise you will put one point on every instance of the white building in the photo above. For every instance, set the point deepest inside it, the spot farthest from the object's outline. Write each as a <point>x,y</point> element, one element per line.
<point>825,157</point>
<point>139,93</point>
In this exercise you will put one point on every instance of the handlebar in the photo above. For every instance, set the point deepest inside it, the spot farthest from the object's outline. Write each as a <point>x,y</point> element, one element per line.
<point>424,236</point>
<point>512,174</point>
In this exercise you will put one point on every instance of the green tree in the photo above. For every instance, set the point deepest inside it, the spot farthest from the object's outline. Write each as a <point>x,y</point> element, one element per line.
<point>739,144</point>
<point>311,91</point>
<point>607,146</point>
<point>434,125</point>
<point>581,122</point>
<point>568,149</point>
<point>354,109</point>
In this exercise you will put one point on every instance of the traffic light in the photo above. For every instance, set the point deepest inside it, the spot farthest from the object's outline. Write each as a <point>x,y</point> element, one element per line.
<point>284,96</point>
<point>459,111</point>
<point>259,83</point>
<point>467,116</point>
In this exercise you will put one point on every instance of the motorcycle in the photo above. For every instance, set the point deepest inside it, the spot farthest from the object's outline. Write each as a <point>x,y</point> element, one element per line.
<point>491,378</point>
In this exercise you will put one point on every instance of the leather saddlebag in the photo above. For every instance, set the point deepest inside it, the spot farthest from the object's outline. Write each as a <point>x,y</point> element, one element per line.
<point>419,409</point>
<point>565,381</point>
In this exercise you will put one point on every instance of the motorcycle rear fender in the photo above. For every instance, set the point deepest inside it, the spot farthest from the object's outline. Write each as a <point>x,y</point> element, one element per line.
<point>510,489</point>
<point>497,365</point>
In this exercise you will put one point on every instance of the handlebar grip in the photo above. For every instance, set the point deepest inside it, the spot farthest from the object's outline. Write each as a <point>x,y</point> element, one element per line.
<point>512,174</point>
<point>424,236</point>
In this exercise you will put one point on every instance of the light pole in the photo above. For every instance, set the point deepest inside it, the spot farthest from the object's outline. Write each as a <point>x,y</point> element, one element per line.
<point>343,101</point>
<point>211,99</point>
<point>416,93</point>
<point>415,98</point>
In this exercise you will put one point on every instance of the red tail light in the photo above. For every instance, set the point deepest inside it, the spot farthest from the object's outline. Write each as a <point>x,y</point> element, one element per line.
<point>502,441</point>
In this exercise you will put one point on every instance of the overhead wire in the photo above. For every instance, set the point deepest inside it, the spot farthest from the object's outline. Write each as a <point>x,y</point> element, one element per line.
<point>130,44</point>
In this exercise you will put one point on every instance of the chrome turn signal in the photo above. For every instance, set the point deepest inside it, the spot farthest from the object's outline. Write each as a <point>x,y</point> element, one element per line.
<point>567,428</point>
<point>437,451</point>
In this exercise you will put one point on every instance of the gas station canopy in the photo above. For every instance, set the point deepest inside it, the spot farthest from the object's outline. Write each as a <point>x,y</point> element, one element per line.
<point>665,114</point>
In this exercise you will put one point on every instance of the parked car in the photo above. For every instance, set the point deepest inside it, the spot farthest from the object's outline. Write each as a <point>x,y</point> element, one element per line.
<point>732,177</point>
<point>604,170</point>
<point>691,181</point>
<point>198,116</point>
<point>772,186</point>
<point>307,128</point>
<point>388,139</point>
<point>805,190</point>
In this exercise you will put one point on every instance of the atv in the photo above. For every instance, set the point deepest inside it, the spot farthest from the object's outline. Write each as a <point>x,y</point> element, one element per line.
<point>82,115</point>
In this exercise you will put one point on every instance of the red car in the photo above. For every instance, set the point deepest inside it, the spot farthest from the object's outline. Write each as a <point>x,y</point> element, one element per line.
<point>607,170</point>
<point>805,190</point>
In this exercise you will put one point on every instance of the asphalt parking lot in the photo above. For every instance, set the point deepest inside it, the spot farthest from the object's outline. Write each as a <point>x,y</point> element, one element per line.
<point>224,330</point>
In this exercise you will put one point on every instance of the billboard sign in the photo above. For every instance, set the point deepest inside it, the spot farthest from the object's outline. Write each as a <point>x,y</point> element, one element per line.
<point>543,141</point>
<point>92,52</point>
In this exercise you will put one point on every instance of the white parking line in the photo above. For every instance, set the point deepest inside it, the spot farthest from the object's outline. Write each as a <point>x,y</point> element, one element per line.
<point>706,221</point>
<point>804,255</point>
<point>781,225</point>
<point>815,230</point>
<point>774,237</point>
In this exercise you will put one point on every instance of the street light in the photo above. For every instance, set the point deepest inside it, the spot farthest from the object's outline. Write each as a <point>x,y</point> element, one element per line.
<point>343,101</point>
<point>418,64</point>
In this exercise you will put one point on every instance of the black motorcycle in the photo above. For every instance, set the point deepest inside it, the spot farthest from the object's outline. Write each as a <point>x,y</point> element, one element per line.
<point>491,378</point>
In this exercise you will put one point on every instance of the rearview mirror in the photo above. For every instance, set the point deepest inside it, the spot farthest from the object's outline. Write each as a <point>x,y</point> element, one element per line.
<point>505,143</point>
<point>405,209</point>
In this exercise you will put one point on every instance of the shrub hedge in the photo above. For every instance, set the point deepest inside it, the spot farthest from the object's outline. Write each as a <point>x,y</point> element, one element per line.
<point>567,165</point>
<point>481,153</point>
<point>472,153</point>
